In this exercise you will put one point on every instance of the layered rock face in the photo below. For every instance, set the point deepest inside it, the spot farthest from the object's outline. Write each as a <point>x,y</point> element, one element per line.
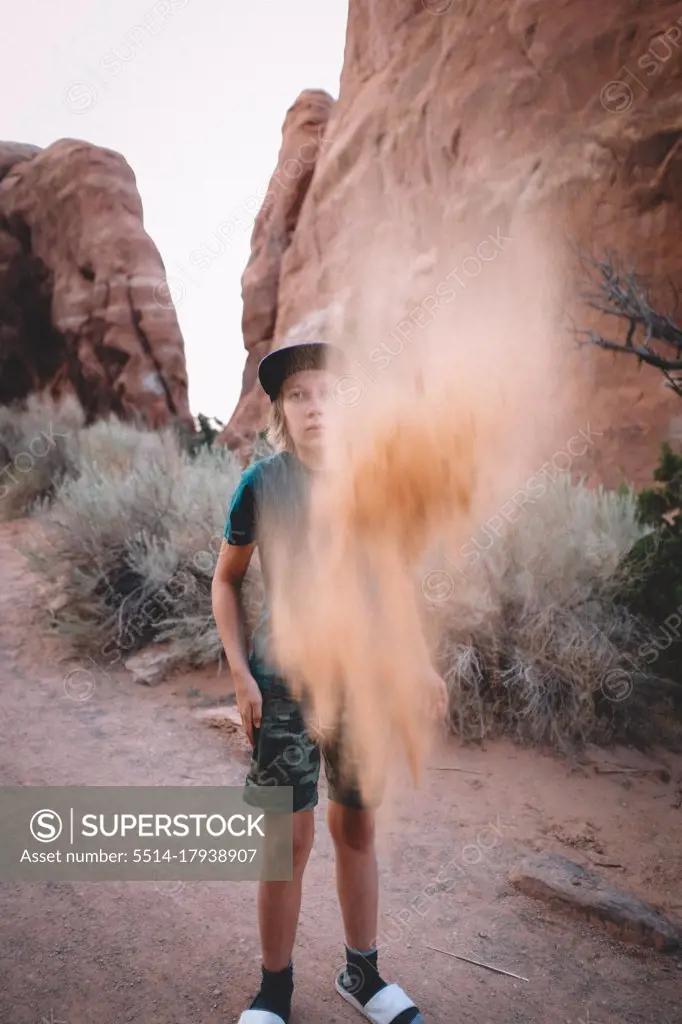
<point>83,302</point>
<point>463,115</point>
<point>302,138</point>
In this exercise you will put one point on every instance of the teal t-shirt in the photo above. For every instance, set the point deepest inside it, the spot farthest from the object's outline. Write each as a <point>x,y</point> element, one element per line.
<point>270,501</point>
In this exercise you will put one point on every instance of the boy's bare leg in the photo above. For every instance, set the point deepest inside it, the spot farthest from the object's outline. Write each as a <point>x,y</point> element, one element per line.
<point>279,903</point>
<point>357,874</point>
<point>357,880</point>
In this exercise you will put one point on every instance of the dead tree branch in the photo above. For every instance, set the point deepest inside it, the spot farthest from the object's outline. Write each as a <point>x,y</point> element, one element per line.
<point>652,337</point>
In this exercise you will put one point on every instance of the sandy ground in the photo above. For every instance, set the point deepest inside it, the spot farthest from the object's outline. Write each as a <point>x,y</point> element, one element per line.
<point>112,952</point>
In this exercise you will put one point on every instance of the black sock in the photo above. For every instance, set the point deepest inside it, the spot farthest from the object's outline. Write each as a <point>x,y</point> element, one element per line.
<point>275,992</point>
<point>362,978</point>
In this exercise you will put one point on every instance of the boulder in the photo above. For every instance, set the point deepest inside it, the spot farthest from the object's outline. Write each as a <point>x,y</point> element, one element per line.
<point>84,303</point>
<point>152,665</point>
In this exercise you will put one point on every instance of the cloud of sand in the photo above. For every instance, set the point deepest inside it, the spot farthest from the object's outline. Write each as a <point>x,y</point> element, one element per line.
<point>447,404</point>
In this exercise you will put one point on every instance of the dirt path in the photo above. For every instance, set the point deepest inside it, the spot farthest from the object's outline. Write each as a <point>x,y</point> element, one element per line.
<point>109,953</point>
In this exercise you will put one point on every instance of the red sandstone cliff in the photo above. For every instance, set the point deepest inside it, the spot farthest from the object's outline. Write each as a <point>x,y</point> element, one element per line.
<point>274,227</point>
<point>82,299</point>
<point>469,111</point>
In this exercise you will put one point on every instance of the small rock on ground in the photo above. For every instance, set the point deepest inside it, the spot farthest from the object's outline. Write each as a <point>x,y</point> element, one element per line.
<point>551,877</point>
<point>151,666</point>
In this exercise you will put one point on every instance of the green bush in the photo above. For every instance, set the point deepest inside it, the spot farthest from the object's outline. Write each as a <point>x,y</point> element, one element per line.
<point>196,441</point>
<point>654,566</point>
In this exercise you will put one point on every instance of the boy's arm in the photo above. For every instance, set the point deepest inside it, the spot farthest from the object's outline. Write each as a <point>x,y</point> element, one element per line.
<point>233,561</point>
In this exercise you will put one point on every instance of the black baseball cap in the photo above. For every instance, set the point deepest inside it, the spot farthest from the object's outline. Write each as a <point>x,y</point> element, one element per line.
<point>279,364</point>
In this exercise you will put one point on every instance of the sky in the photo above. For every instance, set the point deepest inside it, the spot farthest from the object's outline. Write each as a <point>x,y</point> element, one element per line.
<point>193,93</point>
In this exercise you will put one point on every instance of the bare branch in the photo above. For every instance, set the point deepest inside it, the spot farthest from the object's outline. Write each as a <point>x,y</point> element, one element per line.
<point>652,337</point>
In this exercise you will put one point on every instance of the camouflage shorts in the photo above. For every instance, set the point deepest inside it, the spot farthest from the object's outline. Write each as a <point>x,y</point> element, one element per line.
<point>285,754</point>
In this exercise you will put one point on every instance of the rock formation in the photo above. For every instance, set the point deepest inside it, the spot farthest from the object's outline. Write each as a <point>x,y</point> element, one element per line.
<point>470,112</point>
<point>84,306</point>
<point>302,135</point>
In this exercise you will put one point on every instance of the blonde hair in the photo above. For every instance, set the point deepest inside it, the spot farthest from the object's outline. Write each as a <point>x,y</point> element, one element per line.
<point>278,432</point>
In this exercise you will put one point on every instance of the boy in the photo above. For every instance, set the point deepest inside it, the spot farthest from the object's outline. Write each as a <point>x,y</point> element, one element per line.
<point>271,499</point>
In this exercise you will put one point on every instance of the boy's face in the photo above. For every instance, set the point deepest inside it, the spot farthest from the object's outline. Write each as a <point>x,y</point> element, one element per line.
<point>305,399</point>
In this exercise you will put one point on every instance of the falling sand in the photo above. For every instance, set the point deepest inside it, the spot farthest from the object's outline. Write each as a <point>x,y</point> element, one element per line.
<point>418,451</point>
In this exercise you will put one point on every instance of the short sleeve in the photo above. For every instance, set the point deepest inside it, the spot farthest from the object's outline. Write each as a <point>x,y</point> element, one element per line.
<point>240,527</point>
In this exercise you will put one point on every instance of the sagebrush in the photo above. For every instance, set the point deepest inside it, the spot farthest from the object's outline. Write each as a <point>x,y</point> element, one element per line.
<point>131,540</point>
<point>34,450</point>
<point>535,642</point>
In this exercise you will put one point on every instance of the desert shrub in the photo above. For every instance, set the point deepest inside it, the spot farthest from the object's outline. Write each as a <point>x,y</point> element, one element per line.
<point>535,643</point>
<point>131,542</point>
<point>653,585</point>
<point>653,569</point>
<point>35,456</point>
<point>262,447</point>
<point>194,441</point>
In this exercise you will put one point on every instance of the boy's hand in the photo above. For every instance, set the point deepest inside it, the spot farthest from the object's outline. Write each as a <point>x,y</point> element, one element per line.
<point>436,695</point>
<point>250,704</point>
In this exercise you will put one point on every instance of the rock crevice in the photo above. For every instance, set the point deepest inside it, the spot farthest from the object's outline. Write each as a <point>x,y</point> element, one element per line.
<point>136,317</point>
